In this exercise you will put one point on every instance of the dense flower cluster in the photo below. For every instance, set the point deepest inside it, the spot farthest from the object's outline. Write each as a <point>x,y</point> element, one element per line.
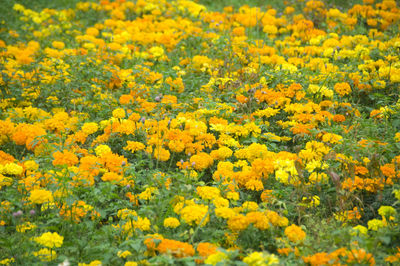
<point>165,132</point>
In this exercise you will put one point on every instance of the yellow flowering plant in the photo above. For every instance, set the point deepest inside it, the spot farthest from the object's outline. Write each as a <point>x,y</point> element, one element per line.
<point>188,132</point>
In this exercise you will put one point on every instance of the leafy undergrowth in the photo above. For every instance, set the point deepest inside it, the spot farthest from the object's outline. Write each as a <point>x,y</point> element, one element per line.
<point>164,132</point>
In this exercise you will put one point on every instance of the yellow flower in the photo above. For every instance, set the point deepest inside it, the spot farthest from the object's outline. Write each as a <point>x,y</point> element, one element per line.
<point>220,202</point>
<point>310,201</point>
<point>224,212</point>
<point>375,224</point>
<point>25,227</point>
<point>93,263</point>
<point>112,177</point>
<point>134,146</point>
<point>215,258</point>
<point>397,137</point>
<point>130,263</point>
<point>140,223</point>
<point>387,211</point>
<point>201,161</point>
<point>332,138</point>
<point>171,222</point>
<point>295,233</point>
<point>7,261</point>
<point>50,240</point>
<point>124,254</point>
<point>156,51</point>
<point>239,222</point>
<point>318,178</point>
<point>207,192</point>
<point>261,259</point>
<point>232,195</point>
<point>118,113</point>
<point>45,254</point>
<point>221,154</point>
<point>270,29</point>
<point>342,88</point>
<point>250,206</point>
<point>40,196</point>
<point>102,149</point>
<point>58,45</point>
<point>12,169</point>
<point>90,128</point>
<point>5,181</point>
<point>124,213</point>
<point>161,154</point>
<point>31,165</point>
<point>148,193</point>
<point>195,214</point>
<point>359,230</point>
<point>396,193</point>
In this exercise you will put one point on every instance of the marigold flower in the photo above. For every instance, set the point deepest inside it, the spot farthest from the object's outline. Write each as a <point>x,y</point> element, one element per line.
<point>342,88</point>
<point>7,261</point>
<point>140,223</point>
<point>207,192</point>
<point>397,137</point>
<point>131,263</point>
<point>295,233</point>
<point>222,153</point>
<point>201,161</point>
<point>111,177</point>
<point>102,149</point>
<point>161,154</point>
<point>148,193</point>
<point>360,256</point>
<point>22,228</point>
<point>171,222</point>
<point>156,51</point>
<point>118,113</point>
<point>45,254</point>
<point>11,169</point>
<point>50,240</point>
<point>232,195</point>
<point>176,248</point>
<point>40,196</point>
<point>92,263</point>
<point>5,180</point>
<point>310,201</point>
<point>239,222</point>
<point>58,45</point>
<point>124,254</point>
<point>195,214</point>
<point>65,158</point>
<point>215,258</point>
<point>90,128</point>
<point>205,249</point>
<point>224,212</point>
<point>261,258</point>
<point>134,146</point>
<point>220,202</point>
<point>332,138</point>
<point>31,165</point>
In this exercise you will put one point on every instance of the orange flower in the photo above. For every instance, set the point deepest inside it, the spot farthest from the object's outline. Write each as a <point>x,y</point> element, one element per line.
<point>360,256</point>
<point>65,158</point>
<point>295,233</point>
<point>176,248</point>
<point>342,88</point>
<point>339,118</point>
<point>205,249</point>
